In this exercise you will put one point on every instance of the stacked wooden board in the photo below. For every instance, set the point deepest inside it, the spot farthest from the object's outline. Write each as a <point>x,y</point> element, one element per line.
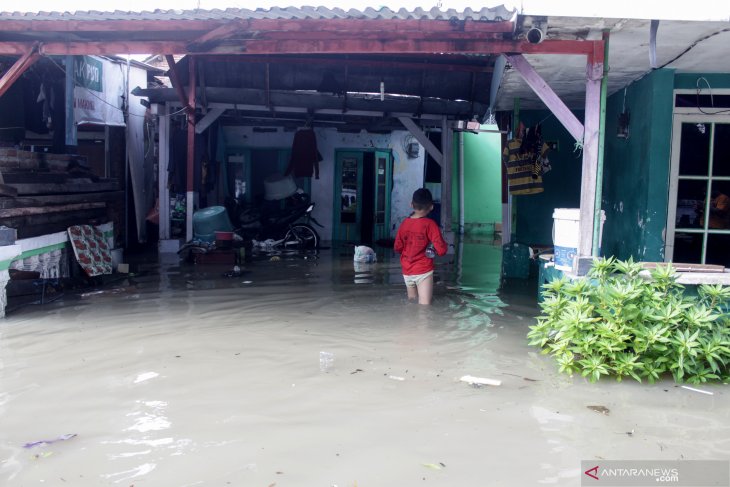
<point>40,193</point>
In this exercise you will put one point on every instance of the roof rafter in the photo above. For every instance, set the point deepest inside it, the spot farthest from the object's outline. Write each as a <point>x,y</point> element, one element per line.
<point>18,68</point>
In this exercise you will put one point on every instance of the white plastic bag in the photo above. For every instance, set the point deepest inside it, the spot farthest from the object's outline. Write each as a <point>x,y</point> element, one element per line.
<point>363,253</point>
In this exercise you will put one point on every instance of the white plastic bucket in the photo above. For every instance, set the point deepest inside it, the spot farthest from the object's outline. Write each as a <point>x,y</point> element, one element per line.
<point>566,233</point>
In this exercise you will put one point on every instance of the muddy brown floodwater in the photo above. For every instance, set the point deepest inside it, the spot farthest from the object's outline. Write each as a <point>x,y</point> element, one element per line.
<point>186,378</point>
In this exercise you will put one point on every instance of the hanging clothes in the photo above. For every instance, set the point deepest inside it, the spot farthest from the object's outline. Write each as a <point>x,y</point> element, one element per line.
<point>305,157</point>
<point>523,159</point>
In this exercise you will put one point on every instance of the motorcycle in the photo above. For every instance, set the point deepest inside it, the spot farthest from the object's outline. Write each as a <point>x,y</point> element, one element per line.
<point>283,223</point>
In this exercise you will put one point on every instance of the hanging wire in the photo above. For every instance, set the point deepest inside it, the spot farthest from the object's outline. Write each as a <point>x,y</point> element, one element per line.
<point>712,98</point>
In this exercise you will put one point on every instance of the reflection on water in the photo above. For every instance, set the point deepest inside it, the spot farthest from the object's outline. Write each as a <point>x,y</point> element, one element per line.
<point>192,378</point>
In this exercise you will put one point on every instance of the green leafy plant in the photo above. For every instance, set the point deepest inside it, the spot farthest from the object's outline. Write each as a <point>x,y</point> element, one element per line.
<point>624,323</point>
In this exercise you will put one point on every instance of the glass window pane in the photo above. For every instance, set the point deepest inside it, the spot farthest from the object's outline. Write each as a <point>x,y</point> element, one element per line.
<point>718,250</point>
<point>688,248</point>
<point>720,205</point>
<point>694,156</point>
<point>690,198</point>
<point>721,150</point>
<point>348,210</point>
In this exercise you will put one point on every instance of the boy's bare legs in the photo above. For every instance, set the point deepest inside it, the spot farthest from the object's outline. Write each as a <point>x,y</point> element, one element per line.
<point>425,290</point>
<point>412,293</point>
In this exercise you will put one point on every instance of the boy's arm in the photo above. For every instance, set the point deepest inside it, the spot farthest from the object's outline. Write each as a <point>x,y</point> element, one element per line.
<point>399,244</point>
<point>434,235</point>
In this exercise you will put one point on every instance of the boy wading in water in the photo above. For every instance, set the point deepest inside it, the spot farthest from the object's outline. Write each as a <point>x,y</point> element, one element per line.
<point>412,241</point>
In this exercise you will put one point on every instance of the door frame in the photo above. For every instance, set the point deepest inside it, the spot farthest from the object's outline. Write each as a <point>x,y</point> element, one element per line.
<point>337,188</point>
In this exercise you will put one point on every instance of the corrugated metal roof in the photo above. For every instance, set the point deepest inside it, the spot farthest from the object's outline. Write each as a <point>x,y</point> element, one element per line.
<point>485,14</point>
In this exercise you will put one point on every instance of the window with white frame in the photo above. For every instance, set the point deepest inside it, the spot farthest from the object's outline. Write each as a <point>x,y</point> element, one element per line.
<point>698,230</point>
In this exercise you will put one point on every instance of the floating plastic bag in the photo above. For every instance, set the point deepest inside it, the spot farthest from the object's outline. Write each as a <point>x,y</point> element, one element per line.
<point>363,253</point>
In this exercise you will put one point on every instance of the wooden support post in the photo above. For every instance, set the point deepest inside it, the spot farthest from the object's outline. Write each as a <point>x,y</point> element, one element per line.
<point>163,164</point>
<point>191,152</point>
<point>547,95</point>
<point>594,73</point>
<point>447,137</point>
<point>422,138</point>
<point>71,133</point>
<point>17,69</point>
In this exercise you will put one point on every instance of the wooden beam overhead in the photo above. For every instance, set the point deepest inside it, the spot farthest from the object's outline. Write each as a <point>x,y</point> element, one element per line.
<point>176,80</point>
<point>214,36</point>
<point>344,45</point>
<point>17,69</point>
<point>365,63</point>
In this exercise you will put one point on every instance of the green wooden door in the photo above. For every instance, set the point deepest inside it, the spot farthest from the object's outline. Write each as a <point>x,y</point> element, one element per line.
<point>383,182</point>
<point>348,191</point>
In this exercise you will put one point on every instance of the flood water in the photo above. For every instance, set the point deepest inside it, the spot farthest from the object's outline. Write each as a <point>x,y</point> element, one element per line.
<point>183,377</point>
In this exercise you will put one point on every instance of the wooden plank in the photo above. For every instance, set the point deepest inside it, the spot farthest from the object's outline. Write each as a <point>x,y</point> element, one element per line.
<point>547,95</point>
<point>589,166</point>
<point>47,210</point>
<point>34,225</point>
<point>680,267</point>
<point>50,188</point>
<point>29,57</point>
<point>6,190</point>
<point>34,177</point>
<point>60,199</point>
<point>208,119</point>
<point>344,45</point>
<point>422,138</point>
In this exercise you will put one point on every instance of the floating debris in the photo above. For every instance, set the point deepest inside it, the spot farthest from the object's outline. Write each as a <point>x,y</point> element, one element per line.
<point>698,390</point>
<point>480,381</point>
<point>49,442</point>
<point>599,409</point>
<point>395,377</point>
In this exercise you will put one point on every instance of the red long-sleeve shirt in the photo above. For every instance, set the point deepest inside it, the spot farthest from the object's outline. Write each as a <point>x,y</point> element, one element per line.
<point>413,236</point>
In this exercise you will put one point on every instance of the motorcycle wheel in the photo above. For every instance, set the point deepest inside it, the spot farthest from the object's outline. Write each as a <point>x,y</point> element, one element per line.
<point>301,236</point>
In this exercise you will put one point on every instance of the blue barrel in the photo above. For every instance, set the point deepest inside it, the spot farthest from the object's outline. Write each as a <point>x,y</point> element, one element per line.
<point>209,220</point>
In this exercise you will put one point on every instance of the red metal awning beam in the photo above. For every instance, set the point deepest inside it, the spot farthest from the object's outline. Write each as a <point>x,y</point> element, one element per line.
<point>299,25</point>
<point>17,69</point>
<point>365,63</point>
<point>349,45</point>
<point>177,82</point>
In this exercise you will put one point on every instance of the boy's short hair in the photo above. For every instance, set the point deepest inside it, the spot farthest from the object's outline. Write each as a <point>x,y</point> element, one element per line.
<point>422,199</point>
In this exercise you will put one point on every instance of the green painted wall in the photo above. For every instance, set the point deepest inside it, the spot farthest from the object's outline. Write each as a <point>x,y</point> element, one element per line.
<point>482,181</point>
<point>689,81</point>
<point>534,213</point>
<point>636,170</point>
